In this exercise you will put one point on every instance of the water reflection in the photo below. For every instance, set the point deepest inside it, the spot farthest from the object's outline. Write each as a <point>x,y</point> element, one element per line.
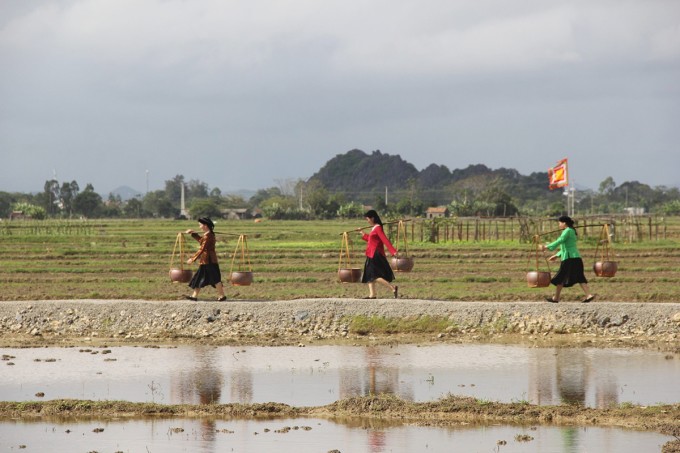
<point>561,374</point>
<point>315,376</point>
<point>378,376</point>
<point>313,435</point>
<point>203,383</point>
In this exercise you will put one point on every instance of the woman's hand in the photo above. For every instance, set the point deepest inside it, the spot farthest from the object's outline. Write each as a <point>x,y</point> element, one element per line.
<point>190,260</point>
<point>189,231</point>
<point>552,258</point>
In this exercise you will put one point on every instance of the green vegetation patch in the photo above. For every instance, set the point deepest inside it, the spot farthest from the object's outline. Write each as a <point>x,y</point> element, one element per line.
<point>365,325</point>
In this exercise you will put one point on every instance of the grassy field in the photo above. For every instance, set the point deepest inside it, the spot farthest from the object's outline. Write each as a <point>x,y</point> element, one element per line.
<point>126,259</point>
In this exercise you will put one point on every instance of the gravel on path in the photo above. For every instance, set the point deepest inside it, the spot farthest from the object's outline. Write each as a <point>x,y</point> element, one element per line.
<point>302,321</point>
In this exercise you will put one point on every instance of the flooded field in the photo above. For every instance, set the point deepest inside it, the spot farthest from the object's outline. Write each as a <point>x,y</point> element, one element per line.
<point>311,435</point>
<point>320,375</point>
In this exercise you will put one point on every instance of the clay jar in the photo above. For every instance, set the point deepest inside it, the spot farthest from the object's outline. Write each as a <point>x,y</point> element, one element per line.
<point>605,268</point>
<point>180,275</point>
<point>538,279</point>
<point>349,275</point>
<point>404,264</point>
<point>241,278</point>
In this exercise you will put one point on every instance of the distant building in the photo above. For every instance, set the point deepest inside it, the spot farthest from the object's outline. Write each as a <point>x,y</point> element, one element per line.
<point>239,214</point>
<point>436,211</point>
<point>18,215</point>
<point>634,211</point>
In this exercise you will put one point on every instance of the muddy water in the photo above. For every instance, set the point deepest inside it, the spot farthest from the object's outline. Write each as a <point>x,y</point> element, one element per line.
<point>315,376</point>
<point>312,435</point>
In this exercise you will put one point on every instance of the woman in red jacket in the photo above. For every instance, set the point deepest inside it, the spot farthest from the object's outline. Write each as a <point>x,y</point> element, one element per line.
<point>376,267</point>
<point>208,272</point>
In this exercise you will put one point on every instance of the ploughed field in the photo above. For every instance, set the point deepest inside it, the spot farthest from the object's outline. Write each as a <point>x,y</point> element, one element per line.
<point>130,259</point>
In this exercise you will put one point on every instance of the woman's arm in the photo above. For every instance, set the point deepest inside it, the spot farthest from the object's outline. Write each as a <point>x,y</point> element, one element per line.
<point>559,241</point>
<point>203,245</point>
<point>381,234</point>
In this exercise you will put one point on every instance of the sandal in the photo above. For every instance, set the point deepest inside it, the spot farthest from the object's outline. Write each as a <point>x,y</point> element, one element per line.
<point>221,298</point>
<point>191,298</point>
<point>588,299</point>
<point>551,300</point>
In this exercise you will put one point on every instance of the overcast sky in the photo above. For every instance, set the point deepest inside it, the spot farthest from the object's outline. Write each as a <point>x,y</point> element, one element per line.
<point>243,94</point>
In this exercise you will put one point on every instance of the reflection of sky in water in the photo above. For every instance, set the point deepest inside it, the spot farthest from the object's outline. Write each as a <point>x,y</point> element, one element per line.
<point>318,375</point>
<point>372,436</point>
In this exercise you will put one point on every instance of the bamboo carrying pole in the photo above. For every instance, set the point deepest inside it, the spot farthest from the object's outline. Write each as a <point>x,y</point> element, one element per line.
<point>575,226</point>
<point>370,226</point>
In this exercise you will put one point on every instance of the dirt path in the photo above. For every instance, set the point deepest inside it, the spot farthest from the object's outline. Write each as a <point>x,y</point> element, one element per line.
<point>350,321</point>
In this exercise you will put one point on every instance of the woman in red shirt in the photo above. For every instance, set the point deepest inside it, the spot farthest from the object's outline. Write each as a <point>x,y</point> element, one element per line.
<point>376,267</point>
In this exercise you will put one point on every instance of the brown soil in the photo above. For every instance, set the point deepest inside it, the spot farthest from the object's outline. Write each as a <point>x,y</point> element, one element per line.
<point>450,410</point>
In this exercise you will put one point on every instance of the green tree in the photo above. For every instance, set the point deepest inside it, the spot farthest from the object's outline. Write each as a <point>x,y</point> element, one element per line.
<point>607,186</point>
<point>205,207</point>
<point>196,189</point>
<point>261,195</point>
<point>158,204</point>
<point>88,203</point>
<point>132,209</point>
<point>68,193</point>
<point>31,210</point>
<point>351,210</point>
<point>173,189</point>
<point>233,201</point>
<point>51,196</point>
<point>671,208</point>
<point>6,201</point>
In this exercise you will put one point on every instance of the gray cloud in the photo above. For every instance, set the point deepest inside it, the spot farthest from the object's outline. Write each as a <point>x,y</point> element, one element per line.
<point>102,90</point>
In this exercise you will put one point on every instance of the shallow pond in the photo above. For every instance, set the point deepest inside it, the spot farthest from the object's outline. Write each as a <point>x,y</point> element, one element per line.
<point>312,435</point>
<point>318,375</point>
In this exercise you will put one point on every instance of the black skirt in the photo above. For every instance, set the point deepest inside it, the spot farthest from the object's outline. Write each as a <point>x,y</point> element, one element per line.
<point>377,267</point>
<point>207,274</point>
<point>570,273</point>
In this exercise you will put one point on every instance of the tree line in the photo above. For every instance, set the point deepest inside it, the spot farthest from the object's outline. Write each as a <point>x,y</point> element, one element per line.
<point>310,199</point>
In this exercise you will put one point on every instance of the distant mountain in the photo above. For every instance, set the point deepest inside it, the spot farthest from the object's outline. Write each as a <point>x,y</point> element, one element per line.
<point>357,171</point>
<point>361,174</point>
<point>126,193</point>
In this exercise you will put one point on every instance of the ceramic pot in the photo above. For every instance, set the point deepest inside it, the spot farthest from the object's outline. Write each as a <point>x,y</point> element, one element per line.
<point>402,264</point>
<point>349,275</point>
<point>241,278</point>
<point>180,275</point>
<point>538,279</point>
<point>605,268</point>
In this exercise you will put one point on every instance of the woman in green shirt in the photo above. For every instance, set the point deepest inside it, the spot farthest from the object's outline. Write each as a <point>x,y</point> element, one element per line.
<point>571,266</point>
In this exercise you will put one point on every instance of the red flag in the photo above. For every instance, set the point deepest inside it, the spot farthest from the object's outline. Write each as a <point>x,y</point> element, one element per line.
<point>558,175</point>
